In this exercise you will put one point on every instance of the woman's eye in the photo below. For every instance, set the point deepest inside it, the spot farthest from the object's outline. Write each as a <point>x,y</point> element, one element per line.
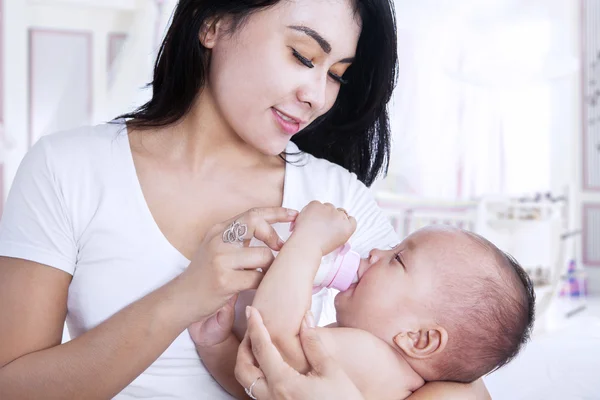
<point>338,78</point>
<point>303,59</point>
<point>307,63</point>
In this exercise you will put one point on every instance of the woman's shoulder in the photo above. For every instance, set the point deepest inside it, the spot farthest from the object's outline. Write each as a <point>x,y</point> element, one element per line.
<point>322,180</point>
<point>73,159</point>
<point>78,152</point>
<point>319,173</point>
<point>83,141</point>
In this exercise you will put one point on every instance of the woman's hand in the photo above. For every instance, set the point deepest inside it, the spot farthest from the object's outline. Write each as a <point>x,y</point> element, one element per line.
<point>324,224</point>
<point>224,265</point>
<point>215,329</point>
<point>274,379</point>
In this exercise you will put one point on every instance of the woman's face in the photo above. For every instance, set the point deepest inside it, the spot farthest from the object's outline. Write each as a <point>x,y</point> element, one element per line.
<point>281,69</point>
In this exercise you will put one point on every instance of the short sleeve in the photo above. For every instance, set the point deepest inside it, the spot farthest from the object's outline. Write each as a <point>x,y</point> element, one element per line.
<point>374,229</point>
<point>35,224</point>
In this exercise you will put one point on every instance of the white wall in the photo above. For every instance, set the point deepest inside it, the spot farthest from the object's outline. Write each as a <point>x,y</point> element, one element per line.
<point>19,16</point>
<point>102,17</point>
<point>583,197</point>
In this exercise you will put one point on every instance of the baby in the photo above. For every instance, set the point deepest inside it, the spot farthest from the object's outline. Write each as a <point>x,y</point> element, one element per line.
<point>443,305</point>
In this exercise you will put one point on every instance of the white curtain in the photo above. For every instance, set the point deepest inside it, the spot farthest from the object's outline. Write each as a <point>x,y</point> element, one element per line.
<point>472,113</point>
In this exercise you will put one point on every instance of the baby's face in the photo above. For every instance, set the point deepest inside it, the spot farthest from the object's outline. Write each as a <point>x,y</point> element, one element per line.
<point>397,288</point>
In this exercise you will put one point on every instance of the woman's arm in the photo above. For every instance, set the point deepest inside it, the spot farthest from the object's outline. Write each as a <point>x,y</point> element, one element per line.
<point>217,347</point>
<point>104,360</point>
<point>98,364</point>
<point>452,391</point>
<point>219,360</point>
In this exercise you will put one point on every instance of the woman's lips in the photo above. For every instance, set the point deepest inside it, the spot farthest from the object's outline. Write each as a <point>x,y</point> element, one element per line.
<point>287,124</point>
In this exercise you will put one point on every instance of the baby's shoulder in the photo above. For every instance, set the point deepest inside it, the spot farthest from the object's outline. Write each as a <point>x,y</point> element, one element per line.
<point>373,365</point>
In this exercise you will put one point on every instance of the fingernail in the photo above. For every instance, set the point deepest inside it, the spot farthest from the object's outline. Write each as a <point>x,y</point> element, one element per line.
<point>373,259</point>
<point>310,319</point>
<point>292,213</point>
<point>247,312</point>
<point>280,242</point>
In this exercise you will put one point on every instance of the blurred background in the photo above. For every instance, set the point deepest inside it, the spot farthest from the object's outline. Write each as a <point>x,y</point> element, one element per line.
<point>496,129</point>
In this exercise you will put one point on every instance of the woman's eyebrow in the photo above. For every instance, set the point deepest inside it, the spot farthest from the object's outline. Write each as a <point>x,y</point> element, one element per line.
<point>315,35</point>
<point>320,40</point>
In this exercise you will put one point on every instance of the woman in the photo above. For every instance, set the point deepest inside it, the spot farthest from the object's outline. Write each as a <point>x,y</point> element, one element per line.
<point>128,215</point>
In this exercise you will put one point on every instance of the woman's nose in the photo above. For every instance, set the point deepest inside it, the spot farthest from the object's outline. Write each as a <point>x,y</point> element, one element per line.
<point>313,93</point>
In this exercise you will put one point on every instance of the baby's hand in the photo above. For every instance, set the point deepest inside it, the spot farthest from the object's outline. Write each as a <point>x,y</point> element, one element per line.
<point>325,225</point>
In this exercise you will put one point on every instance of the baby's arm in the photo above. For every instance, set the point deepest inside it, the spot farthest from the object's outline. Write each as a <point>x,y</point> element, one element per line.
<point>284,296</point>
<point>285,292</point>
<point>374,367</point>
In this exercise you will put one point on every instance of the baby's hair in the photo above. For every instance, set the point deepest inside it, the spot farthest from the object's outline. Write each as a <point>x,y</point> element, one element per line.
<point>489,319</point>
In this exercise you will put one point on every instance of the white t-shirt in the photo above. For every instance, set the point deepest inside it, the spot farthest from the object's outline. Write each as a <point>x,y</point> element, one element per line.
<point>76,204</point>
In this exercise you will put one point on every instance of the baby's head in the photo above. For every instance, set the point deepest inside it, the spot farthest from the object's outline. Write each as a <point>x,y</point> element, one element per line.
<point>451,302</point>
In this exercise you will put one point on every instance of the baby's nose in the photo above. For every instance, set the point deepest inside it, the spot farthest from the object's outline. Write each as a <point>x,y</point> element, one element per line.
<point>375,255</point>
<point>366,263</point>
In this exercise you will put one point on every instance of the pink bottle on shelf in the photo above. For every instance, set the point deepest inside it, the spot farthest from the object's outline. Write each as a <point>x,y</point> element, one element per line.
<point>338,270</point>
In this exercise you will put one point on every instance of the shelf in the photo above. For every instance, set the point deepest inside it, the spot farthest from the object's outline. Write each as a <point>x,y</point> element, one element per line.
<point>516,223</point>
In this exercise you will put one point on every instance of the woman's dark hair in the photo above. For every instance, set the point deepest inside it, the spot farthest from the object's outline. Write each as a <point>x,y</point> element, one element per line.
<point>355,133</point>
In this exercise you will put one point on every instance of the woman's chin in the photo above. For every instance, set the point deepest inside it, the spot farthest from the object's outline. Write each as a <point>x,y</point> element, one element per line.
<point>272,146</point>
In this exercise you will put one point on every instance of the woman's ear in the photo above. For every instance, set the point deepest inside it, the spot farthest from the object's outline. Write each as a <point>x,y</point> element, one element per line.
<point>209,32</point>
<point>422,344</point>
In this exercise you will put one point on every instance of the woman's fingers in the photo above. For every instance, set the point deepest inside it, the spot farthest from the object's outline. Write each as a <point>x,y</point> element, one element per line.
<point>264,232</point>
<point>250,258</point>
<point>263,350</point>
<point>245,369</point>
<point>247,280</point>
<point>245,268</point>
<point>272,215</point>
<point>256,223</point>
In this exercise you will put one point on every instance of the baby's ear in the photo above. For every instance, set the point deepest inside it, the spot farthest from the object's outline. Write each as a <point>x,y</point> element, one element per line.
<point>423,343</point>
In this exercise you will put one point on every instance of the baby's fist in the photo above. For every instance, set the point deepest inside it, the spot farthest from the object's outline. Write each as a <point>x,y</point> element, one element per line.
<point>328,226</point>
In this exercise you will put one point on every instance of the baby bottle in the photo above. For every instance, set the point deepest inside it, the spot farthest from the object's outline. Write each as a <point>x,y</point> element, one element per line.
<point>338,270</point>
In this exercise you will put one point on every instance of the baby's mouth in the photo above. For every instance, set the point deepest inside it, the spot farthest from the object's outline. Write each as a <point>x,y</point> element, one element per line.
<point>363,267</point>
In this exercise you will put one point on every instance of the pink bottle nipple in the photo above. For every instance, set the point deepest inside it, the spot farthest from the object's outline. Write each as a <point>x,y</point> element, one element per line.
<point>347,264</point>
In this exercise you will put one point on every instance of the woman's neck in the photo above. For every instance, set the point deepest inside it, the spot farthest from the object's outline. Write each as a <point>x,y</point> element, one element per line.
<point>203,139</point>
